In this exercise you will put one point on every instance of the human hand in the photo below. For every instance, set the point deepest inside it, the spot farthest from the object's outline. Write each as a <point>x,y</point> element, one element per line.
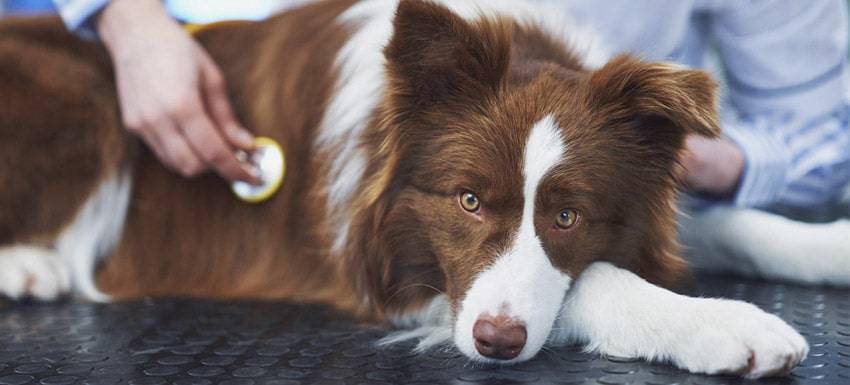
<point>171,93</point>
<point>711,166</point>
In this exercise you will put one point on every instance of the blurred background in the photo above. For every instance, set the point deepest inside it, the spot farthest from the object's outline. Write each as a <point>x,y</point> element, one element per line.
<point>186,10</point>
<point>25,6</point>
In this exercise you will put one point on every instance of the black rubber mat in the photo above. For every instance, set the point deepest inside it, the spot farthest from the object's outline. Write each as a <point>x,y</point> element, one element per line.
<point>191,342</point>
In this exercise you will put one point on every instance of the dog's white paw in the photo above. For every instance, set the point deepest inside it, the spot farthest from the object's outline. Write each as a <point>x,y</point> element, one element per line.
<point>732,337</point>
<point>30,271</point>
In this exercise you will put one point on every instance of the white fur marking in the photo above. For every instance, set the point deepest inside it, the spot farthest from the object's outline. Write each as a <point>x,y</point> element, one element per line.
<point>762,244</point>
<point>32,271</point>
<point>360,86</point>
<point>94,232</point>
<point>523,280</point>
<point>618,313</point>
<point>431,325</point>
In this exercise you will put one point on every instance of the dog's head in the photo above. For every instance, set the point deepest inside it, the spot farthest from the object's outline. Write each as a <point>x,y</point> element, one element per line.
<point>503,168</point>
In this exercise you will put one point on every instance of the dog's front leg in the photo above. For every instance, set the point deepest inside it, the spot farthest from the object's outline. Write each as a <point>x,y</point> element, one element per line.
<point>617,313</point>
<point>32,271</point>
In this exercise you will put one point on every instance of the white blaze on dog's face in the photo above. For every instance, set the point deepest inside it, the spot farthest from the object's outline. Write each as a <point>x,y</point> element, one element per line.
<point>512,168</point>
<point>508,311</point>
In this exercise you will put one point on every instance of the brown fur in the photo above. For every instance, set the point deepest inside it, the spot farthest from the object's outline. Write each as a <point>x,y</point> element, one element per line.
<point>460,102</point>
<point>280,75</point>
<point>58,127</point>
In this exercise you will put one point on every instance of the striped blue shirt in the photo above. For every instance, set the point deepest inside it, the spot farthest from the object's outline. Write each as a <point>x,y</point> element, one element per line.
<point>785,94</point>
<point>79,14</point>
<point>783,64</point>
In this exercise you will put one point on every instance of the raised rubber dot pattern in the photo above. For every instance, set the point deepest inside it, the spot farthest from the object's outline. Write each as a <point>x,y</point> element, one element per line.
<point>265,343</point>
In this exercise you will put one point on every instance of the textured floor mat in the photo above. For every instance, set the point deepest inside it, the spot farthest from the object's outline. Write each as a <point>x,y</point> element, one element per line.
<point>192,342</point>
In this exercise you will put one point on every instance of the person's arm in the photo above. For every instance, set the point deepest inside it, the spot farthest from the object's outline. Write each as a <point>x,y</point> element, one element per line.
<point>801,163</point>
<point>786,69</point>
<point>172,95</point>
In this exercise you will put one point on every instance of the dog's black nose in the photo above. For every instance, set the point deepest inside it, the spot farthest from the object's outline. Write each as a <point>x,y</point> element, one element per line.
<point>498,337</point>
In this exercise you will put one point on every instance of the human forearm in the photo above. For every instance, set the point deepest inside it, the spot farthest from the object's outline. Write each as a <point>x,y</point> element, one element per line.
<point>122,20</point>
<point>172,94</point>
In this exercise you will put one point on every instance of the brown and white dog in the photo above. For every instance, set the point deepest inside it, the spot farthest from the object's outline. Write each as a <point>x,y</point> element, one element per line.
<point>464,170</point>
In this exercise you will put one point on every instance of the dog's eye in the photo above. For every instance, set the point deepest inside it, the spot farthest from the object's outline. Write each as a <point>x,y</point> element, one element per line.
<point>566,219</point>
<point>469,201</point>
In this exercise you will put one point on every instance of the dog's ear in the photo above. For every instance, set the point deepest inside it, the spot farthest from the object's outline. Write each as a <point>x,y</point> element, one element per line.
<point>662,102</point>
<point>648,110</point>
<point>435,56</point>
